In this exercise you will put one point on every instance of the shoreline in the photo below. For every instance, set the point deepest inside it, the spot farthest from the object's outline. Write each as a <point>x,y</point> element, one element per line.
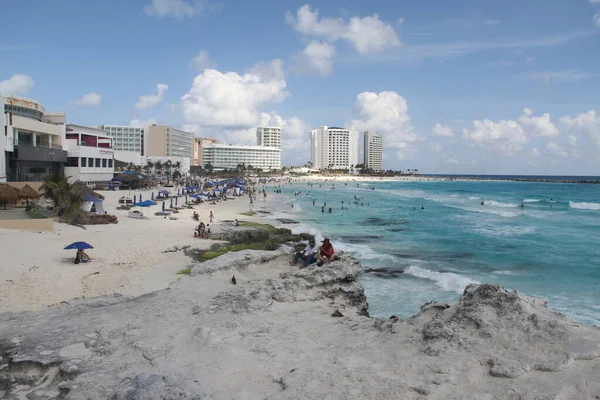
<point>292,333</point>
<point>443,178</point>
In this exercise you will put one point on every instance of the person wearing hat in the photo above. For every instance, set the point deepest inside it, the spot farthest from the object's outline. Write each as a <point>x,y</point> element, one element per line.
<point>325,253</point>
<point>308,254</point>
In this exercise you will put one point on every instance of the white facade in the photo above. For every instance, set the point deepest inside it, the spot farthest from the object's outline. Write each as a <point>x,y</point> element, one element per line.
<point>125,138</point>
<point>373,151</point>
<point>268,136</point>
<point>222,156</point>
<point>90,155</point>
<point>335,148</point>
<point>132,157</point>
<point>181,143</point>
<point>32,142</point>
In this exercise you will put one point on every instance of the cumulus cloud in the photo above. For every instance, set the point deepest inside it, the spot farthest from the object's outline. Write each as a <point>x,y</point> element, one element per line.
<point>588,123</point>
<point>233,100</point>
<point>191,128</point>
<point>142,123</point>
<point>317,58</point>
<point>442,130</point>
<point>386,113</point>
<point>557,150</point>
<point>202,61</point>
<point>151,100</point>
<point>366,34</point>
<point>541,126</point>
<point>505,136</point>
<point>89,99</point>
<point>175,8</point>
<point>19,84</point>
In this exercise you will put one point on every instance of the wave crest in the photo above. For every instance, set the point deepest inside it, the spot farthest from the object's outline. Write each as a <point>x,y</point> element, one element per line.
<point>584,206</point>
<point>446,280</point>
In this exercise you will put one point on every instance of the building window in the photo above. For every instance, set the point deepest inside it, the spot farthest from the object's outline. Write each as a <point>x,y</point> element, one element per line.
<point>83,161</point>
<point>90,162</point>
<point>104,163</point>
<point>110,163</point>
<point>71,162</point>
<point>97,163</point>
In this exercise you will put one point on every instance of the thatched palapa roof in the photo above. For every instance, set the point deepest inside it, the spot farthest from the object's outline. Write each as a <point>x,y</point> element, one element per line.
<point>8,193</point>
<point>27,192</point>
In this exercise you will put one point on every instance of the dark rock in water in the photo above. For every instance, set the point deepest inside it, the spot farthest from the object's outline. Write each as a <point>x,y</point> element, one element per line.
<point>394,318</point>
<point>287,221</point>
<point>376,221</point>
<point>159,387</point>
<point>359,239</point>
<point>337,314</point>
<point>385,272</point>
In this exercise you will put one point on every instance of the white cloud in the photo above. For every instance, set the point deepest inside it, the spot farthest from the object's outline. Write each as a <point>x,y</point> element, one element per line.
<point>202,61</point>
<point>234,100</point>
<point>152,100</point>
<point>385,113</point>
<point>555,149</point>
<point>562,76</point>
<point>442,130</point>
<point>573,139</point>
<point>595,1</point>
<point>19,84</point>
<point>436,147</point>
<point>588,123</point>
<point>597,18</point>
<point>452,161</point>
<point>89,99</point>
<point>192,128</point>
<point>366,34</point>
<point>142,123</point>
<point>317,57</point>
<point>542,126</point>
<point>175,8</point>
<point>504,137</point>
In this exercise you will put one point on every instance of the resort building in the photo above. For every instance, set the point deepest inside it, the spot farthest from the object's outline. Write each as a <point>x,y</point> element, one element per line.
<point>268,136</point>
<point>334,148</point>
<point>90,155</point>
<point>164,140</point>
<point>125,138</point>
<point>32,146</point>
<point>373,151</point>
<point>221,156</point>
<point>199,145</point>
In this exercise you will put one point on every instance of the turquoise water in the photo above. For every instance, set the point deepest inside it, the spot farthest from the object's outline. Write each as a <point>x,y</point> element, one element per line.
<point>549,248</point>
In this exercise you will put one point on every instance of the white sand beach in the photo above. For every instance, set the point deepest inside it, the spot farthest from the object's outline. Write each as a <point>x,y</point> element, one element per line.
<point>127,258</point>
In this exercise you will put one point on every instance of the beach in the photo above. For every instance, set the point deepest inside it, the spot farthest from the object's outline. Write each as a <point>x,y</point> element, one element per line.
<point>131,257</point>
<point>127,326</point>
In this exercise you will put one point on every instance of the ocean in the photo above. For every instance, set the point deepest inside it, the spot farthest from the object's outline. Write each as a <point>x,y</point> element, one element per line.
<point>435,237</point>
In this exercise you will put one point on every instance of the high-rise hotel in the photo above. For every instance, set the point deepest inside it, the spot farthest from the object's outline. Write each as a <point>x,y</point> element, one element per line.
<point>373,151</point>
<point>334,148</point>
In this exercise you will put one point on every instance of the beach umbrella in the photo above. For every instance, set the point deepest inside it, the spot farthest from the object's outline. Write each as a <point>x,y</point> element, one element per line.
<point>163,206</point>
<point>79,246</point>
<point>8,194</point>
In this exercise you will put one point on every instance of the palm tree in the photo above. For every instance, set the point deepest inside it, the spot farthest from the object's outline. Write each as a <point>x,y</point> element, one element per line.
<point>158,166</point>
<point>177,165</point>
<point>148,167</point>
<point>67,198</point>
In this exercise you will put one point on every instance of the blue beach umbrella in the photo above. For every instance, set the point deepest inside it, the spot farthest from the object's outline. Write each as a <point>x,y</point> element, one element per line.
<point>79,246</point>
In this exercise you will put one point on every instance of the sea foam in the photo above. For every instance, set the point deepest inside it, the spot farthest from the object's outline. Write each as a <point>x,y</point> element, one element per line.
<point>446,280</point>
<point>584,206</point>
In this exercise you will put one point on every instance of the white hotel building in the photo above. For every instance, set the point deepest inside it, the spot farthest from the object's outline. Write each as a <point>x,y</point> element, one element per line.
<point>125,138</point>
<point>222,156</point>
<point>91,157</point>
<point>268,136</point>
<point>373,151</point>
<point>335,148</point>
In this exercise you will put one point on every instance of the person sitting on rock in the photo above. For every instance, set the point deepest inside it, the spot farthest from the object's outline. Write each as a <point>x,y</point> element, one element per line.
<point>325,253</point>
<point>308,254</point>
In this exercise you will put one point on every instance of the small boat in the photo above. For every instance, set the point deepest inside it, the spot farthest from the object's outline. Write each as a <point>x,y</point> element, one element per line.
<point>135,214</point>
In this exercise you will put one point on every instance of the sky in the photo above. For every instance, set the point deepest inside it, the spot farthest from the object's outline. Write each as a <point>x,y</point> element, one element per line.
<point>463,86</point>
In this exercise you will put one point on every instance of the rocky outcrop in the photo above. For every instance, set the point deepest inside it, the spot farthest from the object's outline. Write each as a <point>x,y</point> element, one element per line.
<point>289,333</point>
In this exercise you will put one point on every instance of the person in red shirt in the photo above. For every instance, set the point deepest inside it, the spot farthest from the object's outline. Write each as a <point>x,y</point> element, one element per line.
<point>325,253</point>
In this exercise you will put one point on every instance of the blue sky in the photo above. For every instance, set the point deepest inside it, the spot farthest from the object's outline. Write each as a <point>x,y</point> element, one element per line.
<point>466,86</point>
